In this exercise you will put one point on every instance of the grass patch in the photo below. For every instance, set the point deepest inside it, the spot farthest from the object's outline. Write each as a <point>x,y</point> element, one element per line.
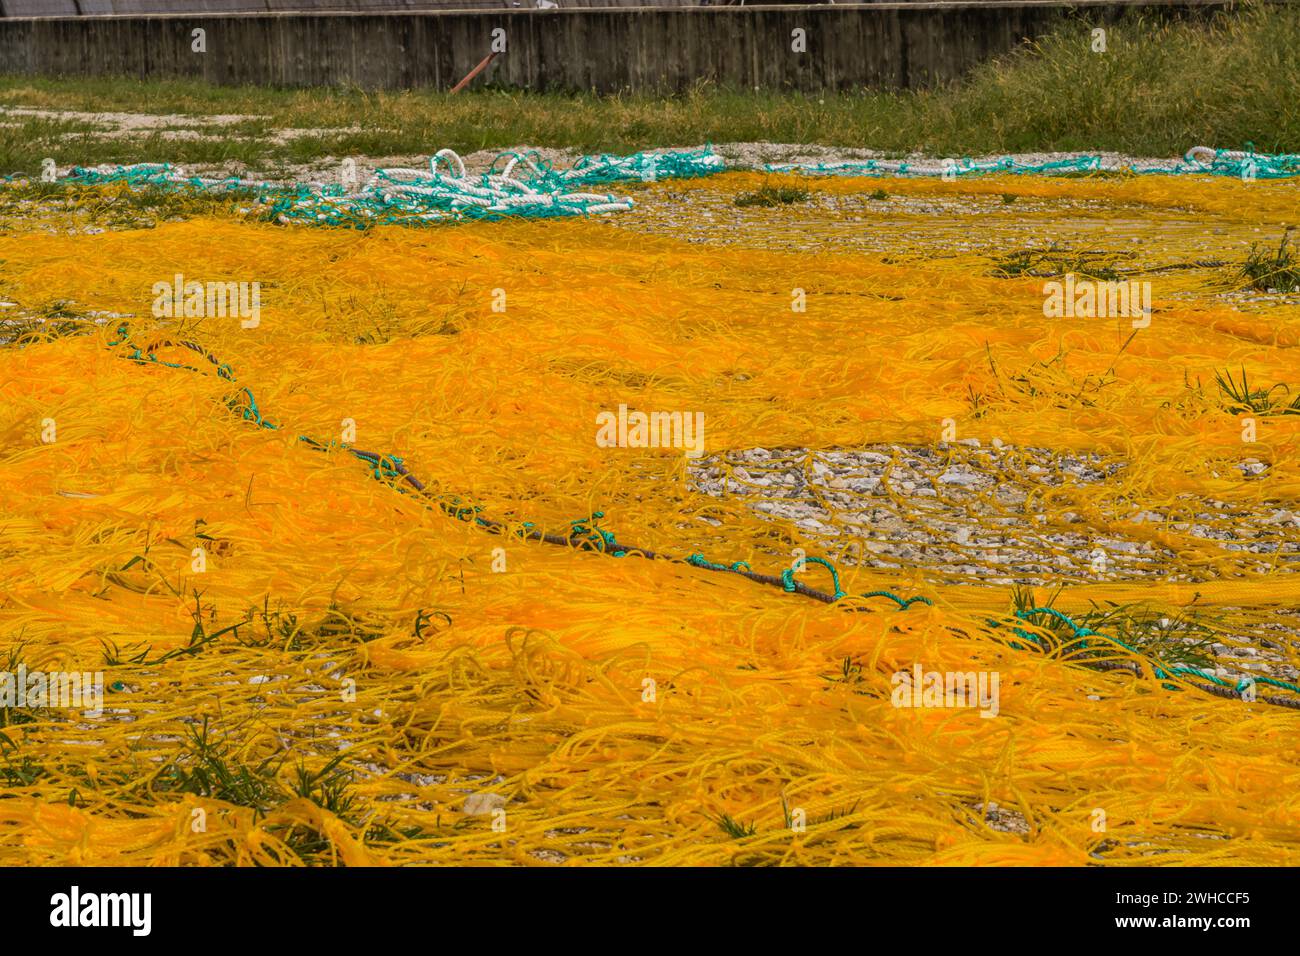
<point>17,770</point>
<point>1273,270</point>
<point>46,323</point>
<point>1050,380</point>
<point>1178,639</point>
<point>14,715</point>
<point>772,196</point>
<point>207,767</point>
<point>1240,396</point>
<point>734,828</point>
<point>1098,264</point>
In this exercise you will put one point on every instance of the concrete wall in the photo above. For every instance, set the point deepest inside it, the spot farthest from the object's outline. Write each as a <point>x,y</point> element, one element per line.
<point>653,49</point>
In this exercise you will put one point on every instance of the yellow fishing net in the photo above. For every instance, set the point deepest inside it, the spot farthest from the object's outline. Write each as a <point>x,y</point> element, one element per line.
<point>344,674</point>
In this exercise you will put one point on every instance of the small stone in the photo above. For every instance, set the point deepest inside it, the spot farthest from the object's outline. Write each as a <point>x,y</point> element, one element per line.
<point>483,803</point>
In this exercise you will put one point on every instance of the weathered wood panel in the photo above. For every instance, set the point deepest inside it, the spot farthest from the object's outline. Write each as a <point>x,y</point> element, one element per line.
<point>658,49</point>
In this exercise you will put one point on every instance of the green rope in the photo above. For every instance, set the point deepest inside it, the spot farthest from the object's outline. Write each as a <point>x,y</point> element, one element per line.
<point>787,576</point>
<point>903,604</point>
<point>1199,160</point>
<point>698,560</point>
<point>526,187</point>
<point>601,539</point>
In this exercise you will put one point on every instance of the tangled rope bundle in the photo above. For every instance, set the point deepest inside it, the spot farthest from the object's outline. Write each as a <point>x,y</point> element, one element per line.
<point>529,187</point>
<point>1199,160</point>
<point>526,187</point>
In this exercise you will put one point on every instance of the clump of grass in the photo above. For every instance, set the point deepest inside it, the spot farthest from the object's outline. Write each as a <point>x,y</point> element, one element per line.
<point>14,716</point>
<point>207,768</point>
<point>830,817</point>
<point>1240,397</point>
<point>835,814</point>
<point>734,828</point>
<point>1051,379</point>
<point>281,628</point>
<point>326,787</point>
<point>115,656</point>
<point>770,196</point>
<point>1178,638</point>
<point>850,672</point>
<point>878,194</point>
<point>1054,262</point>
<point>17,771</point>
<point>46,323</point>
<point>1273,270</point>
<point>1009,198</point>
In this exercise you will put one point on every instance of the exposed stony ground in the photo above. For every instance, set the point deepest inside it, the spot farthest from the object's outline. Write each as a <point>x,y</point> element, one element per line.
<point>969,513</point>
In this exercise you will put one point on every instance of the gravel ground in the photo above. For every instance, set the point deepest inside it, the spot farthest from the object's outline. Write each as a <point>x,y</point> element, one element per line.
<point>966,514</point>
<point>969,513</point>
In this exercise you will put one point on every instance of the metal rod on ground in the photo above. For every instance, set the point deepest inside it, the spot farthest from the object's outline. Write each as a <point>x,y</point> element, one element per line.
<point>475,72</point>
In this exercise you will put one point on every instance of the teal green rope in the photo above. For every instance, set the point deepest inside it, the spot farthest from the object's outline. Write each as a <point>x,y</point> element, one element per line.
<point>903,604</point>
<point>385,467</point>
<point>534,190</point>
<point>787,576</point>
<point>602,539</point>
<point>698,560</point>
<point>1223,163</point>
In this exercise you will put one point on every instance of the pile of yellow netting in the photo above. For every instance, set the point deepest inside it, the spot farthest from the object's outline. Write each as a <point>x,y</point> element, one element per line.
<point>388,664</point>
